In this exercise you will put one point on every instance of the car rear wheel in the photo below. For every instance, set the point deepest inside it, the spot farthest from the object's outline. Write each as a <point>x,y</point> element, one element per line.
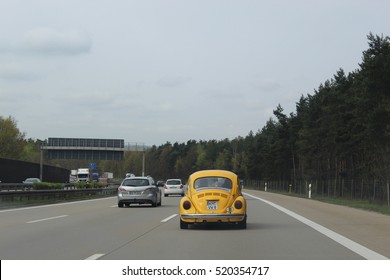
<point>242,224</point>
<point>155,203</point>
<point>120,204</point>
<point>183,225</point>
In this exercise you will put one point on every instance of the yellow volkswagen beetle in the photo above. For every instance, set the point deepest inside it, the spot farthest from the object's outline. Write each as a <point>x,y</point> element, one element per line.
<point>213,196</point>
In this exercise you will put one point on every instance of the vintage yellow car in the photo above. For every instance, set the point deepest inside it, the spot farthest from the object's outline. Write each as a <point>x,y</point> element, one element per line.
<point>213,196</point>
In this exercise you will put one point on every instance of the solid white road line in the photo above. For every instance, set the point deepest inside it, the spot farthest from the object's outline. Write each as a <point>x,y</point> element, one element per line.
<point>169,218</point>
<point>351,245</point>
<point>54,205</point>
<point>46,219</point>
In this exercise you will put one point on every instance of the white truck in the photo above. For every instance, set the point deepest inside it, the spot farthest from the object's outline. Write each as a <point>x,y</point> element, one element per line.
<point>108,175</point>
<point>84,175</point>
<point>73,176</point>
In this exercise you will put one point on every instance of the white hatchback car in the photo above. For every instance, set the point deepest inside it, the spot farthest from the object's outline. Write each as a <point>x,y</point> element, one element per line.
<point>174,187</point>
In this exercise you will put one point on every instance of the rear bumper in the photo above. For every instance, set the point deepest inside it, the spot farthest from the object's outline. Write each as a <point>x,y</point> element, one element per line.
<point>138,201</point>
<point>198,218</point>
<point>142,199</point>
<point>173,191</point>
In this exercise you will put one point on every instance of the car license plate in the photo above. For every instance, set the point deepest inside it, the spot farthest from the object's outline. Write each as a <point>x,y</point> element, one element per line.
<point>212,205</point>
<point>134,193</point>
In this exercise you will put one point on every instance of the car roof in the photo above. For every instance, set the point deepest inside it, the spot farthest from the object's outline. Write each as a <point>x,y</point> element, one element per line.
<point>214,172</point>
<point>138,177</point>
<point>143,178</point>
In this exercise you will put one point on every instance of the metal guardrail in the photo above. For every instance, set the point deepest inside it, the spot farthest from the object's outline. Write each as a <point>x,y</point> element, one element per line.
<point>15,187</point>
<point>6,187</point>
<point>19,195</point>
<point>30,192</point>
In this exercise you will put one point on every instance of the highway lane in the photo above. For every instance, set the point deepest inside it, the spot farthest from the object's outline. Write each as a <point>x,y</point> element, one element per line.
<point>98,229</point>
<point>73,230</point>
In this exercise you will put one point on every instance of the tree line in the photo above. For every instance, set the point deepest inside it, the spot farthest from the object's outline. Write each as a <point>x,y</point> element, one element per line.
<point>337,141</point>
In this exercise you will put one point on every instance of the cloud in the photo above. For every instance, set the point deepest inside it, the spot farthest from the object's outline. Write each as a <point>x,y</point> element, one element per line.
<point>173,81</point>
<point>268,86</point>
<point>90,101</point>
<point>16,72</point>
<point>49,41</point>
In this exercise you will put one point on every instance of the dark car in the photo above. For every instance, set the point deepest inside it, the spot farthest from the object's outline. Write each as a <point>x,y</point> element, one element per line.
<point>160,183</point>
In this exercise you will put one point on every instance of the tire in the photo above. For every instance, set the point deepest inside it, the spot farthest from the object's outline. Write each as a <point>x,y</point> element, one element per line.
<point>183,225</point>
<point>242,224</point>
<point>155,203</point>
<point>120,204</point>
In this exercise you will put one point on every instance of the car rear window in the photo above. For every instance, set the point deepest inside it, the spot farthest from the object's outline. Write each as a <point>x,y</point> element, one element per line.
<point>173,182</point>
<point>136,182</point>
<point>213,183</point>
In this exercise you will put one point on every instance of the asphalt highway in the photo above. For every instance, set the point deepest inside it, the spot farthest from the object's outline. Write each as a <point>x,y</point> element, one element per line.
<point>279,228</point>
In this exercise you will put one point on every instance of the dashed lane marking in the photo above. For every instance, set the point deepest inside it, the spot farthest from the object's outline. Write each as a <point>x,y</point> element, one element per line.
<point>169,218</point>
<point>95,257</point>
<point>46,219</point>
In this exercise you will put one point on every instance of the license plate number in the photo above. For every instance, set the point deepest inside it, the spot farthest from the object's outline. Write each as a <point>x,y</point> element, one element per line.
<point>212,205</point>
<point>134,193</point>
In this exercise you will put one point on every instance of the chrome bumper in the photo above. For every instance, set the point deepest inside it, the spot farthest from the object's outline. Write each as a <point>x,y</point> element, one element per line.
<point>212,216</point>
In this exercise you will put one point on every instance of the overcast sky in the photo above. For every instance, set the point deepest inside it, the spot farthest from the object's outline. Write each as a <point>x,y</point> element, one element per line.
<point>157,71</point>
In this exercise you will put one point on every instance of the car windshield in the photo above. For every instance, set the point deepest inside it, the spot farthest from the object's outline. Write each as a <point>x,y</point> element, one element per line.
<point>31,180</point>
<point>173,182</point>
<point>136,182</point>
<point>213,183</point>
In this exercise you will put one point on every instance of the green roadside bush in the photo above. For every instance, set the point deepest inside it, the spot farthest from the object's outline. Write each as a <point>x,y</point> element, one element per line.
<point>48,186</point>
<point>59,186</point>
<point>91,185</point>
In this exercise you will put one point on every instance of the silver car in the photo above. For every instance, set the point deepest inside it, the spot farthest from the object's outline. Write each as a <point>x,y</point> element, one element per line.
<point>138,190</point>
<point>31,181</point>
<point>173,186</point>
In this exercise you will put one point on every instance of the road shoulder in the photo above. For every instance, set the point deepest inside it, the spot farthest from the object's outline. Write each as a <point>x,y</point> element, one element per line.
<point>370,229</point>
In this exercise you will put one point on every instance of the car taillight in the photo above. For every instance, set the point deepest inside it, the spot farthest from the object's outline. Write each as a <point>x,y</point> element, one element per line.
<point>165,186</point>
<point>150,190</point>
<point>186,205</point>
<point>238,204</point>
<point>181,186</point>
<point>121,189</point>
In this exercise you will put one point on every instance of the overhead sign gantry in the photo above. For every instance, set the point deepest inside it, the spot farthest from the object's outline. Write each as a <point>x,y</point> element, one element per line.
<point>85,148</point>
